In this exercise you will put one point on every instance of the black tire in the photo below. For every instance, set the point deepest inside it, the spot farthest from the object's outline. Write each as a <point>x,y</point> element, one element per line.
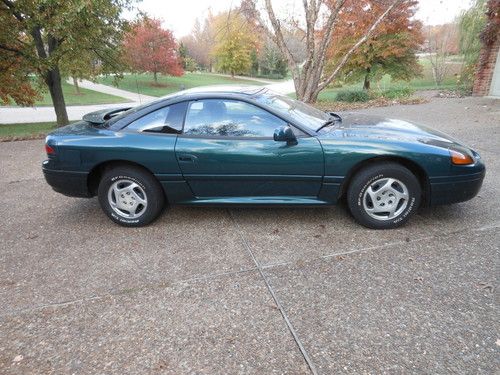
<point>359,202</point>
<point>148,186</point>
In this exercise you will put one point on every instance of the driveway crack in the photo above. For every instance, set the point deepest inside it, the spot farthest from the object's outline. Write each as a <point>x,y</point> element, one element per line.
<point>275,298</point>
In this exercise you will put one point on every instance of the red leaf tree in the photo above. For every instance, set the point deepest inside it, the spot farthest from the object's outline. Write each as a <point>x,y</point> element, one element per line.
<point>390,49</point>
<point>150,48</point>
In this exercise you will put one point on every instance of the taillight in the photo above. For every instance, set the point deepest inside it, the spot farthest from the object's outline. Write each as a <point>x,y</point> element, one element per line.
<point>49,150</point>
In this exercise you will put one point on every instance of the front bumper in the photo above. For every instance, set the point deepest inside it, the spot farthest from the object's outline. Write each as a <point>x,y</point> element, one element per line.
<point>70,183</point>
<point>454,189</point>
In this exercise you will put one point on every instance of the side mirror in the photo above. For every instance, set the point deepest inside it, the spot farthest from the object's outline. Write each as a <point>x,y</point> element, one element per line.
<point>285,134</point>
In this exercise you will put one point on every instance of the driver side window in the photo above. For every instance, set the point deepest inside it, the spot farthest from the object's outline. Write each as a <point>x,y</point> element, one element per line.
<point>229,118</point>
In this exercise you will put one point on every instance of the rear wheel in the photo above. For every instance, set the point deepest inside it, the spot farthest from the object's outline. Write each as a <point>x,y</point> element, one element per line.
<point>130,196</point>
<point>384,196</point>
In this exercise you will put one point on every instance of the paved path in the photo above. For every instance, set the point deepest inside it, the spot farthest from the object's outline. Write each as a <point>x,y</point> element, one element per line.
<point>260,80</point>
<point>14,115</point>
<point>284,87</point>
<point>131,96</point>
<point>218,291</point>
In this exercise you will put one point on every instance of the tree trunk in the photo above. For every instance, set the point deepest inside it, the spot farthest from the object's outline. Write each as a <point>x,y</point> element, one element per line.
<point>75,83</point>
<point>52,76</point>
<point>155,77</point>
<point>308,77</point>
<point>435,75</point>
<point>366,84</point>
<point>310,96</point>
<point>53,81</point>
<point>306,87</point>
<point>232,74</point>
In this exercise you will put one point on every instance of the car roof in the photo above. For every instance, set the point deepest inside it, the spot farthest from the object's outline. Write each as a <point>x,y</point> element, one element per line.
<point>202,91</point>
<point>225,89</point>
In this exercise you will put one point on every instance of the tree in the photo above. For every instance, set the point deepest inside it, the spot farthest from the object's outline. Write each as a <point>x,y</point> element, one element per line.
<point>235,42</point>
<point>442,41</point>
<point>201,42</point>
<point>44,35</point>
<point>188,63</point>
<point>254,62</point>
<point>390,50</point>
<point>271,60</point>
<point>150,48</point>
<point>15,84</point>
<point>320,23</point>
<point>85,66</point>
<point>470,25</point>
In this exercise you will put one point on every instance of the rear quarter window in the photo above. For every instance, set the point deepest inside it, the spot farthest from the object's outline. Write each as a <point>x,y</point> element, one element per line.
<point>166,120</point>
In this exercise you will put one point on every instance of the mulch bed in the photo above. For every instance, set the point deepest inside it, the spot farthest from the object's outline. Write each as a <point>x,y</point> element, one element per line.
<point>379,102</point>
<point>27,137</point>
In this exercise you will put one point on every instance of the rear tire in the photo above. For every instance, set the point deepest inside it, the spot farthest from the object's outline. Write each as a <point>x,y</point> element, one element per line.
<point>383,196</point>
<point>130,196</point>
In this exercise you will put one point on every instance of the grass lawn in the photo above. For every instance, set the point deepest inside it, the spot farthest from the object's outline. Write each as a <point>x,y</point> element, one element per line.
<point>426,82</point>
<point>25,130</point>
<point>144,83</point>
<point>85,97</point>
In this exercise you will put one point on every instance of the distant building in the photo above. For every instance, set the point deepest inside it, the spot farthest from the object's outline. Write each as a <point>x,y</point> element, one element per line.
<point>487,80</point>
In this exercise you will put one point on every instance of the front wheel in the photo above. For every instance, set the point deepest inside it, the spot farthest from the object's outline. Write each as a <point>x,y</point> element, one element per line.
<point>383,196</point>
<point>130,196</point>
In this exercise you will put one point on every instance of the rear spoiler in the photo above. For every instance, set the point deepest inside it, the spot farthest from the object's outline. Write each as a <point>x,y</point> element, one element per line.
<point>100,117</point>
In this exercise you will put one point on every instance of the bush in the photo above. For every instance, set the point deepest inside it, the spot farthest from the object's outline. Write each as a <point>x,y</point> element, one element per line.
<point>270,76</point>
<point>352,96</point>
<point>396,93</point>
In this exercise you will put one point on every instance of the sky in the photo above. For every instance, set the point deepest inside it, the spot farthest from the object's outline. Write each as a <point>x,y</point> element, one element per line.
<point>179,15</point>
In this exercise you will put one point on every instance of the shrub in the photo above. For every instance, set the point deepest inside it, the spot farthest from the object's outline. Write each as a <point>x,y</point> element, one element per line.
<point>351,96</point>
<point>396,93</point>
<point>270,76</point>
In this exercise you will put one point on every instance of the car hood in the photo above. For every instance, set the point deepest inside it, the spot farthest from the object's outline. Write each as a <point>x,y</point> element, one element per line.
<point>358,125</point>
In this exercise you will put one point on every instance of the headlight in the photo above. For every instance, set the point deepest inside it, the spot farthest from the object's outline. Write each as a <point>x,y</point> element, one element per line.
<point>460,156</point>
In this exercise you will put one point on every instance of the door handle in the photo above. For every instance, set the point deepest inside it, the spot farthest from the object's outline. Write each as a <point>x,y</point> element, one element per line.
<point>187,158</point>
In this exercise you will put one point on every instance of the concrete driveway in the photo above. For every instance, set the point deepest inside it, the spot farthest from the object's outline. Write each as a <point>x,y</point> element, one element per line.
<point>251,291</point>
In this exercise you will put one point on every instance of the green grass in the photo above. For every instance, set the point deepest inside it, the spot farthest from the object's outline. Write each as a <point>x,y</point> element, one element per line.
<point>144,83</point>
<point>426,82</point>
<point>86,97</point>
<point>26,130</point>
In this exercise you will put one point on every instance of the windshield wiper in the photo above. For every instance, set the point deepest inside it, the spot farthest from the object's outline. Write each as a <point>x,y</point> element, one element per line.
<point>333,119</point>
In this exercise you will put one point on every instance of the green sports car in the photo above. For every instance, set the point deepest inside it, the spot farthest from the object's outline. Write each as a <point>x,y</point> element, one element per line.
<point>250,146</point>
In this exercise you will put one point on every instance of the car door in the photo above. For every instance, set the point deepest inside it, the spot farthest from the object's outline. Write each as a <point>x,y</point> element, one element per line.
<point>227,150</point>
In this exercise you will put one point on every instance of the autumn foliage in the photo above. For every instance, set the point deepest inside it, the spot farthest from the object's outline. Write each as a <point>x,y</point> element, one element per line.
<point>15,85</point>
<point>235,39</point>
<point>150,48</point>
<point>390,50</point>
<point>15,82</point>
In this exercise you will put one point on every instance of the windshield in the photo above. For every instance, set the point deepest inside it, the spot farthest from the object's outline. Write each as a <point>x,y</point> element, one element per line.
<point>306,115</point>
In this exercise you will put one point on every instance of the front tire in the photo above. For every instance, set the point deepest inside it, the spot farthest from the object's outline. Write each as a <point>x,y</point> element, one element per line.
<point>130,196</point>
<point>383,196</point>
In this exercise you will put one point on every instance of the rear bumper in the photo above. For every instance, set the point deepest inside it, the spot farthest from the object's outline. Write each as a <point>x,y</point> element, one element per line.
<point>70,183</point>
<point>454,189</point>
